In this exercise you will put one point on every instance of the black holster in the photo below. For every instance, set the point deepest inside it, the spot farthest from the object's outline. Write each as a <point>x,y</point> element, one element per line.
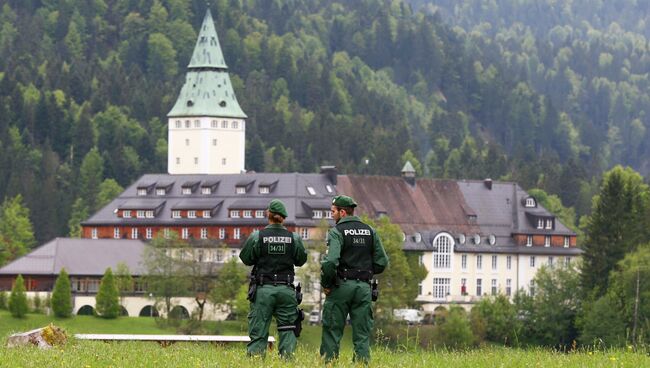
<point>375,290</point>
<point>252,290</point>
<point>298,323</point>
<point>299,293</point>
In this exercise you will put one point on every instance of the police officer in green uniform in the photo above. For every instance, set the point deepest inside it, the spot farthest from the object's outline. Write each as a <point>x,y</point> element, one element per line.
<point>273,251</point>
<point>354,255</point>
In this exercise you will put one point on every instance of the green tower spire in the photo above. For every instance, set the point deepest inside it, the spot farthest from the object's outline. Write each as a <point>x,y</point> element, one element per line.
<point>207,90</point>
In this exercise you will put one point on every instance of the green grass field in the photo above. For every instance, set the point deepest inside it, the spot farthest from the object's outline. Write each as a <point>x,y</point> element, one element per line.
<point>100,354</point>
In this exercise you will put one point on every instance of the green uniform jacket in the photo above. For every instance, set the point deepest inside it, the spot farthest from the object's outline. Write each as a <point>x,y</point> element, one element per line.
<point>250,254</point>
<point>335,242</point>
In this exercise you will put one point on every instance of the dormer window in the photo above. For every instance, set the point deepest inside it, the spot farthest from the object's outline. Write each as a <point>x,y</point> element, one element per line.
<point>259,213</point>
<point>176,214</point>
<point>311,190</point>
<point>234,213</point>
<point>477,239</point>
<point>240,190</point>
<point>329,188</point>
<point>540,223</point>
<point>126,214</point>
<point>264,190</point>
<point>140,214</point>
<point>142,191</point>
<point>549,223</point>
<point>328,214</point>
<point>186,190</point>
<point>149,214</point>
<point>318,214</point>
<point>161,191</point>
<point>530,202</point>
<point>191,214</point>
<point>206,190</point>
<point>207,214</point>
<point>492,239</point>
<point>417,237</point>
<point>248,214</point>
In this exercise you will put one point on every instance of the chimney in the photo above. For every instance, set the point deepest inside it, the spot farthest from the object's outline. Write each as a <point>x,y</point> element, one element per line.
<point>330,172</point>
<point>408,173</point>
<point>488,183</point>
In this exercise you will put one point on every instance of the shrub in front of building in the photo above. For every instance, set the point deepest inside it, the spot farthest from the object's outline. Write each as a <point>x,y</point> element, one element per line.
<point>61,301</point>
<point>107,301</point>
<point>3,300</point>
<point>18,299</point>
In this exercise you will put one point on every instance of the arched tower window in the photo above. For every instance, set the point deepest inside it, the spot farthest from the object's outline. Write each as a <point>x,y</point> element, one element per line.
<point>443,246</point>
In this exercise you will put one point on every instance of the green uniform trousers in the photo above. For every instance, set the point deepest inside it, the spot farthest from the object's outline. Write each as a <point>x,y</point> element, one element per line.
<point>272,301</point>
<point>353,297</point>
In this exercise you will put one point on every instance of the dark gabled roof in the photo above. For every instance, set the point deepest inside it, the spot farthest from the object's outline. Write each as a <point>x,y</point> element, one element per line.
<point>79,257</point>
<point>289,187</point>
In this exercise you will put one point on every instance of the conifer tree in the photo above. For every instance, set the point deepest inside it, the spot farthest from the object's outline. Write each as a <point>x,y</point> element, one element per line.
<point>107,302</point>
<point>61,302</point>
<point>18,299</point>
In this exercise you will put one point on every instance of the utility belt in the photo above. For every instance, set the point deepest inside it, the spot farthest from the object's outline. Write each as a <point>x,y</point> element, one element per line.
<point>274,279</point>
<point>360,275</point>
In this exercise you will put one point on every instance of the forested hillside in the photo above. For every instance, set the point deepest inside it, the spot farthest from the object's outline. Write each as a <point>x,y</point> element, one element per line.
<point>85,87</point>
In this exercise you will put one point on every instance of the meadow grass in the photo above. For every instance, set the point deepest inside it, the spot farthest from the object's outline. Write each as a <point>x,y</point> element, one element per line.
<point>143,354</point>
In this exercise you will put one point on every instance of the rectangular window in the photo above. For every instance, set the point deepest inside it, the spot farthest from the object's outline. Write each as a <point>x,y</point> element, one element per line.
<point>318,214</point>
<point>463,261</point>
<point>176,214</point>
<point>191,214</point>
<point>236,233</point>
<point>224,124</point>
<point>248,214</point>
<point>494,262</point>
<point>509,262</point>
<point>134,233</point>
<point>441,287</point>
<point>142,191</point>
<point>223,161</point>
<point>186,190</point>
<point>479,262</point>
<point>240,190</point>
<point>329,188</point>
<point>214,124</point>
<point>549,223</point>
<point>140,214</point>
<point>196,160</point>
<point>206,190</point>
<point>479,287</point>
<point>540,223</point>
<point>328,214</point>
<point>311,190</point>
<point>149,233</point>
<point>160,191</point>
<point>463,286</point>
<point>547,241</point>
<point>187,124</point>
<point>218,256</point>
<point>508,287</point>
<point>259,214</point>
<point>166,233</point>
<point>567,261</point>
<point>149,214</point>
<point>207,214</point>
<point>550,261</point>
<point>531,288</point>
<point>532,261</point>
<point>566,241</point>
<point>234,214</point>
<point>304,233</point>
<point>222,233</point>
<point>197,123</point>
<point>494,287</point>
<point>178,124</point>
<point>185,233</point>
<point>178,160</point>
<point>420,289</point>
<point>264,190</point>
<point>235,125</point>
<point>116,232</point>
<point>204,233</point>
<point>93,233</point>
<point>126,214</point>
<point>529,241</point>
<point>214,142</point>
<point>187,142</point>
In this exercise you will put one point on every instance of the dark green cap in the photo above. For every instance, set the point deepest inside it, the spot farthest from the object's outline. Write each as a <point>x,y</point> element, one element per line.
<point>276,206</point>
<point>344,201</point>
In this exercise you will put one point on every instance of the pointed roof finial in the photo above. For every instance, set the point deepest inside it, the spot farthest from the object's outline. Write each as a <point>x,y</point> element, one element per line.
<point>408,168</point>
<point>207,52</point>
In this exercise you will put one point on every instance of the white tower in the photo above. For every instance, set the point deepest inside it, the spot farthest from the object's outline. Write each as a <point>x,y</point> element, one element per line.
<point>207,128</point>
